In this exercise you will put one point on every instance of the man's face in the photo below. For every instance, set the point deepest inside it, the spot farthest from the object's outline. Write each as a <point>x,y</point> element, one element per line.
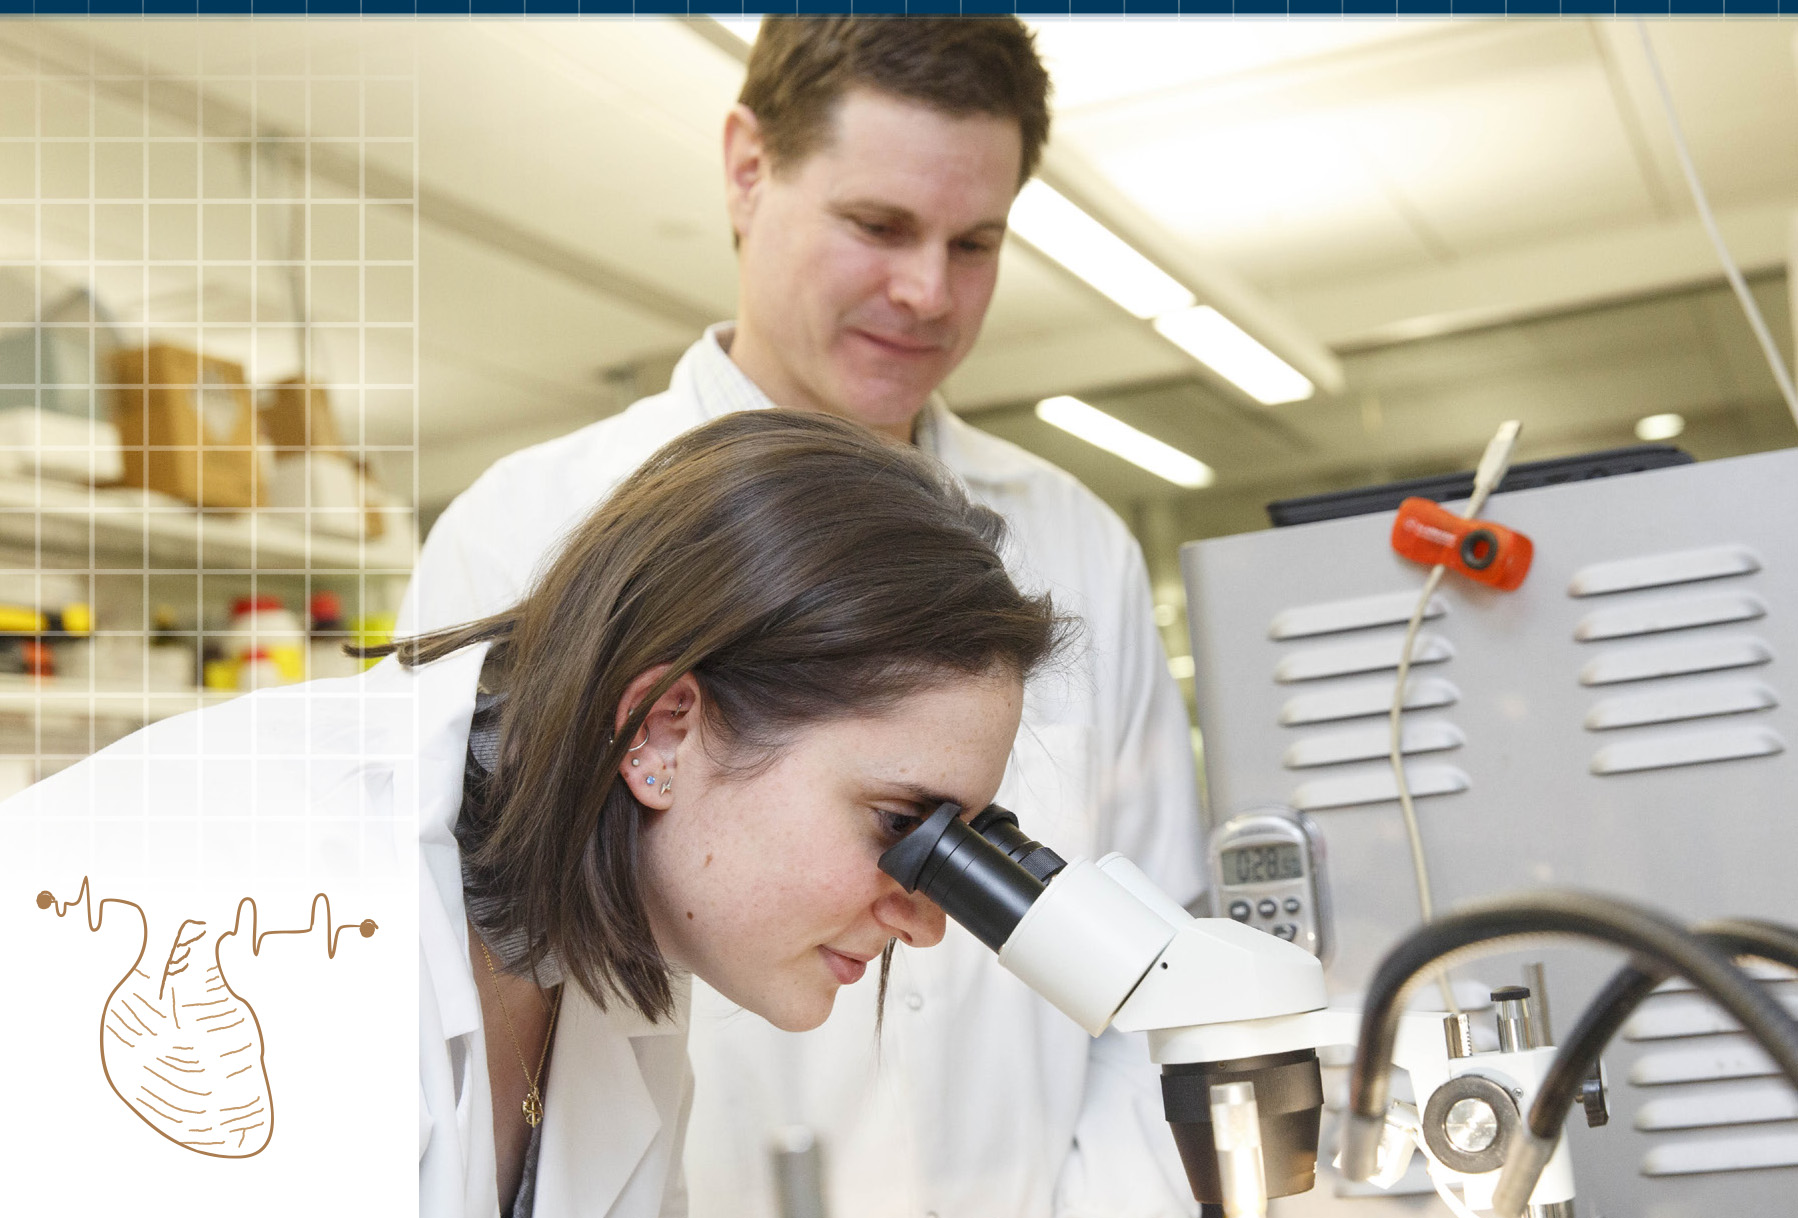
<point>867,267</point>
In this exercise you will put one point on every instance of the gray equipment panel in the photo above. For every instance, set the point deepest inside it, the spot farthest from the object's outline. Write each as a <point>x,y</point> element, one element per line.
<point>1622,722</point>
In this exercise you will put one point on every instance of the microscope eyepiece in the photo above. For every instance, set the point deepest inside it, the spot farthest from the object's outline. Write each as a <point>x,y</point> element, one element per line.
<point>1000,827</point>
<point>977,882</point>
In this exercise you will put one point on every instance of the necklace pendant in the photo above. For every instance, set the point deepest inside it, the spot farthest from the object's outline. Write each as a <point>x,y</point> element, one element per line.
<point>533,1109</point>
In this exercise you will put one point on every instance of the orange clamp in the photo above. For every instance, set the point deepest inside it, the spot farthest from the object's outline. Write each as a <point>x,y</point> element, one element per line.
<point>1429,533</point>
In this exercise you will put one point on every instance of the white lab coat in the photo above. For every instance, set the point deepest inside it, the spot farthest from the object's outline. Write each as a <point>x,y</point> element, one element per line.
<point>377,762</point>
<point>981,1100</point>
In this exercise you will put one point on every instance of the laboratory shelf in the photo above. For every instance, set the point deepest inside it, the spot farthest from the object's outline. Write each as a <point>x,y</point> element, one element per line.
<point>74,699</point>
<point>146,531</point>
<point>128,552</point>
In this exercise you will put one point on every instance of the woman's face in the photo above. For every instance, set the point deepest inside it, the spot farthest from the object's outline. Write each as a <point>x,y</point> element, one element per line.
<point>767,887</point>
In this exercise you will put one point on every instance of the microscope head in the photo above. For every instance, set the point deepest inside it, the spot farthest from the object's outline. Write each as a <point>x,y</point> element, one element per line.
<point>1101,943</point>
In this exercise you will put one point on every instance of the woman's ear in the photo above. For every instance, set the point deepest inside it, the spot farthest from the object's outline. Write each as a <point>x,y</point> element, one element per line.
<point>652,754</point>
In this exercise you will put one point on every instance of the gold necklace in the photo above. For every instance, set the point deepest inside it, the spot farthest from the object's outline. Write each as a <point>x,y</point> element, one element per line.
<point>533,1100</point>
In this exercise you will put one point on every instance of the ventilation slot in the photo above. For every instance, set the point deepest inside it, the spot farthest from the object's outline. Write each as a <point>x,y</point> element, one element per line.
<point>1659,616</point>
<point>1662,570</point>
<point>1376,786</point>
<point>1741,1104</point>
<point>1728,1154</point>
<point>1674,660</point>
<point>1388,609</point>
<point>1367,743</point>
<point>1673,1016</point>
<point>1348,659</point>
<point>1365,698</point>
<point>1733,1058</point>
<point>1684,701</point>
<point>1669,750</point>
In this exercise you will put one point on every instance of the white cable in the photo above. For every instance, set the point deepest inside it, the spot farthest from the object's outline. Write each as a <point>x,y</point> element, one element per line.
<point>1396,756</point>
<point>1493,464</point>
<point>1730,271</point>
<point>1456,1206</point>
<point>1439,1173</point>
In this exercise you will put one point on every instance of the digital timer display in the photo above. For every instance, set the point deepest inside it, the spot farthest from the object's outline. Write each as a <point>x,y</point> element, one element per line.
<point>1262,864</point>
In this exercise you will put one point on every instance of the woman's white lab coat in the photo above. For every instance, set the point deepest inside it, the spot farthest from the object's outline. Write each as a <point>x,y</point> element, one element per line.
<point>379,758</point>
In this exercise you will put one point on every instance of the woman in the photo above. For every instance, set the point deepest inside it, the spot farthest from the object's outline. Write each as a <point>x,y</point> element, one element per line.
<point>749,673</point>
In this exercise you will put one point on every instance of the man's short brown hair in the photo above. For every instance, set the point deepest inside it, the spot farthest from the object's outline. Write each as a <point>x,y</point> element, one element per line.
<point>802,66</point>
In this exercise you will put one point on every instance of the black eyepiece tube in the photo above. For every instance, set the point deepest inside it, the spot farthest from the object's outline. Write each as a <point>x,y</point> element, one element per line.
<point>1000,827</point>
<point>972,879</point>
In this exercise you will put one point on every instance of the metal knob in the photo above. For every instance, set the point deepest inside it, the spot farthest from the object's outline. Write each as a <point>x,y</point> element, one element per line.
<point>1514,1033</point>
<point>1593,1099</point>
<point>1470,1122</point>
<point>1458,1031</point>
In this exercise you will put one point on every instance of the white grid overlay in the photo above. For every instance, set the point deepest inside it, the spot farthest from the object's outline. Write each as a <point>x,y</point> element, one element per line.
<point>248,194</point>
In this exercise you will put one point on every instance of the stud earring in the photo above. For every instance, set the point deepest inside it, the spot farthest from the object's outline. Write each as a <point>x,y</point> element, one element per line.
<point>650,781</point>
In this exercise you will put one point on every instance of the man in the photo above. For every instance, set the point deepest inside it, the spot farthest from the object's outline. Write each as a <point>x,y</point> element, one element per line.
<point>870,166</point>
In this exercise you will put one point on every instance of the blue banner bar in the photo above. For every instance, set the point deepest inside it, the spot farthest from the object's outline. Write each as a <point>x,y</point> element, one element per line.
<point>1027,8</point>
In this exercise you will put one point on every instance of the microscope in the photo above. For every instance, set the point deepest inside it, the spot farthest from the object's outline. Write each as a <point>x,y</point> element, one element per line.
<point>1235,1017</point>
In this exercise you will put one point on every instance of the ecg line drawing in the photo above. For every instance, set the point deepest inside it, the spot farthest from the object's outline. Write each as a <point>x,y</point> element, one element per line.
<point>182,1049</point>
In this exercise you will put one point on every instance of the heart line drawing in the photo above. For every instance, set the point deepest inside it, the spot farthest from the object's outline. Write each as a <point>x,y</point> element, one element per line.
<point>182,1049</point>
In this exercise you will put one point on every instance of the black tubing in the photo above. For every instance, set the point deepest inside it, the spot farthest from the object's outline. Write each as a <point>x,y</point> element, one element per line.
<point>1651,937</point>
<point>1622,994</point>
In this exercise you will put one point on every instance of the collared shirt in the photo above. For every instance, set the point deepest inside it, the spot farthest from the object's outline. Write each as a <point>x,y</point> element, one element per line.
<point>979,1099</point>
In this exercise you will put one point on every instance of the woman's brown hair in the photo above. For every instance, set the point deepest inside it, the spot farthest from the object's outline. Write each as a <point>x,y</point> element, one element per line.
<point>801,569</point>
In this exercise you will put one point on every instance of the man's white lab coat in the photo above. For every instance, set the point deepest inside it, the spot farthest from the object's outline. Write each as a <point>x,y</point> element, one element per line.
<point>375,763</point>
<point>981,1101</point>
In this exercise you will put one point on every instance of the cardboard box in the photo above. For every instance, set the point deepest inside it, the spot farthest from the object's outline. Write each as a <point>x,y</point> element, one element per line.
<point>298,418</point>
<point>187,427</point>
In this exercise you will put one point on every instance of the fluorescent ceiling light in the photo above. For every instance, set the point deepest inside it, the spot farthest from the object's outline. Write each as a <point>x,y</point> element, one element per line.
<point>1224,347</point>
<point>1659,427</point>
<point>1080,243</point>
<point>1102,431</point>
<point>744,28</point>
